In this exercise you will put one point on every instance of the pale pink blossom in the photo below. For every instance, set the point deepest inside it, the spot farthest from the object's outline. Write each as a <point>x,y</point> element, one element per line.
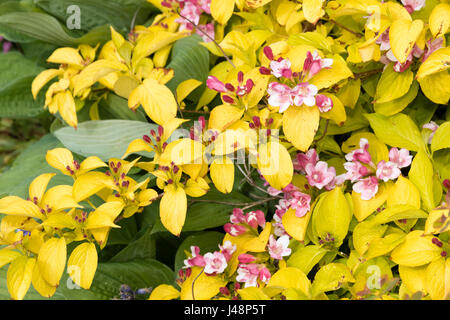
<point>281,68</point>
<point>278,248</point>
<point>433,126</point>
<point>387,171</point>
<point>192,12</point>
<point>362,154</point>
<point>300,202</point>
<point>279,96</point>
<point>304,93</point>
<point>383,41</point>
<point>367,187</point>
<point>205,5</point>
<point>234,229</point>
<point>215,84</point>
<point>432,46</point>
<point>264,275</point>
<point>255,219</point>
<point>273,192</point>
<point>324,103</point>
<point>246,258</point>
<point>227,249</point>
<point>319,175</point>
<point>208,29</point>
<point>401,157</point>
<point>196,260</point>
<point>303,159</point>
<point>355,171</point>
<point>413,5</point>
<point>237,216</point>
<point>248,273</point>
<point>215,262</point>
<point>313,64</point>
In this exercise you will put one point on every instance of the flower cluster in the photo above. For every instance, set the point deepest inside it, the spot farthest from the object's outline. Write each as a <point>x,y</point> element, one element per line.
<point>367,175</point>
<point>213,263</point>
<point>242,223</point>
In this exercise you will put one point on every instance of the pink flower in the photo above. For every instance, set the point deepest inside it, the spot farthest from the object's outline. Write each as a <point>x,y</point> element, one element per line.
<point>196,259</point>
<point>246,258</point>
<point>319,175</point>
<point>313,64</point>
<point>237,216</point>
<point>413,5</point>
<point>255,219</point>
<point>300,202</point>
<point>192,12</point>
<point>281,68</point>
<point>227,249</point>
<point>215,84</point>
<point>362,154</point>
<point>401,157</point>
<point>432,46</point>
<point>264,275</point>
<point>304,93</point>
<point>215,262</point>
<point>278,248</point>
<point>205,5</point>
<point>368,187</point>
<point>273,192</point>
<point>279,96</point>
<point>304,158</point>
<point>324,103</point>
<point>208,29</point>
<point>387,171</point>
<point>355,171</point>
<point>383,41</point>
<point>248,273</point>
<point>234,229</point>
<point>433,126</point>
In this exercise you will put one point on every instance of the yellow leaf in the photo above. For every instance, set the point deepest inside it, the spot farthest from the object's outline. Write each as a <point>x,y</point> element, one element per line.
<point>222,10</point>
<point>13,205</point>
<point>104,215</point>
<point>252,293</point>
<point>201,286</point>
<point>435,279</point>
<point>60,158</point>
<point>172,209</point>
<point>164,292</point>
<point>393,85</point>
<point>364,208</point>
<point>137,145</point>
<point>124,85</point>
<point>403,34</point>
<point>52,260</point>
<point>414,278</point>
<point>222,174</point>
<point>328,77</point>
<point>275,164</point>
<point>67,108</point>
<point>437,61</point>
<point>66,56</point>
<point>89,184</point>
<point>382,246</point>
<point>157,100</point>
<point>416,251</point>
<point>82,264</point>
<point>8,255</point>
<point>434,87</point>
<point>39,185</point>
<point>366,232</point>
<point>404,192</point>
<point>331,277</point>
<point>42,79</point>
<point>432,224</point>
<point>350,92</point>
<point>186,87</point>
<point>440,19</point>
<point>18,278</point>
<point>300,125</point>
<point>295,226</point>
<point>305,258</point>
<point>224,116</point>
<point>291,277</point>
<point>312,9</point>
<point>39,283</point>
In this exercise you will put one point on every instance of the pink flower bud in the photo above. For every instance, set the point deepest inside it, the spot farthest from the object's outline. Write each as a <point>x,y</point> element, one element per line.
<point>246,258</point>
<point>268,52</point>
<point>228,99</point>
<point>264,70</point>
<point>215,84</point>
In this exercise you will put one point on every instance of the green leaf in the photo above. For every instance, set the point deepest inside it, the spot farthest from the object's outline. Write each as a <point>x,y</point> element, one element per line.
<point>104,138</point>
<point>331,277</point>
<point>397,131</point>
<point>95,13</point>
<point>395,106</point>
<point>28,165</point>
<point>305,258</point>
<point>139,273</point>
<point>421,174</point>
<point>393,85</point>
<point>441,138</point>
<point>142,248</point>
<point>41,26</point>
<point>207,242</point>
<point>355,121</point>
<point>118,108</point>
<point>190,60</point>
